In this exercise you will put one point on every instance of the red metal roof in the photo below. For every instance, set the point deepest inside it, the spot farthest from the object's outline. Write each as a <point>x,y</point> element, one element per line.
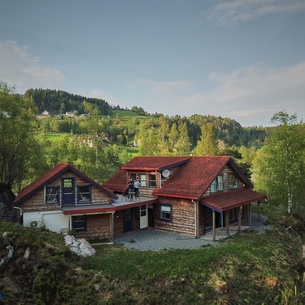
<point>117,182</point>
<point>51,175</point>
<point>191,180</point>
<point>232,199</point>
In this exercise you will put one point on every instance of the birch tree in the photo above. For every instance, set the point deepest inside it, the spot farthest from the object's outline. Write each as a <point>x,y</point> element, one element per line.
<point>279,167</point>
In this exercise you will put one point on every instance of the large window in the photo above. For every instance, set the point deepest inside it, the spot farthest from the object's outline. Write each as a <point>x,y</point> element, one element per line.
<point>233,181</point>
<point>142,179</point>
<point>84,194</point>
<point>152,181</point>
<point>217,184</point>
<point>79,223</point>
<point>52,195</point>
<point>166,212</point>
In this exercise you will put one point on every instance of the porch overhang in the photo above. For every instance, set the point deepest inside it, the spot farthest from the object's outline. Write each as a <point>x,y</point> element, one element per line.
<point>88,210</point>
<point>117,205</point>
<point>229,200</point>
<point>122,205</point>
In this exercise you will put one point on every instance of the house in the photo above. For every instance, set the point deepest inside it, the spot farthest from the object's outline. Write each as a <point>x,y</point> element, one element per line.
<point>70,114</point>
<point>192,195</point>
<point>65,199</point>
<point>45,113</point>
<point>186,195</point>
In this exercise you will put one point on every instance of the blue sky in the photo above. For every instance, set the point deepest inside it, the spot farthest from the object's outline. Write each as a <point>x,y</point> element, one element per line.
<point>242,59</point>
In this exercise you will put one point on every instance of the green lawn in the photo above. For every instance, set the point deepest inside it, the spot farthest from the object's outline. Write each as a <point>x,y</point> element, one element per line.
<point>238,271</point>
<point>249,268</point>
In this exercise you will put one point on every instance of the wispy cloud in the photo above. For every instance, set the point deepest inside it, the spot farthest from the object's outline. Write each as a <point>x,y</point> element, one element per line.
<point>250,95</point>
<point>236,11</point>
<point>19,68</point>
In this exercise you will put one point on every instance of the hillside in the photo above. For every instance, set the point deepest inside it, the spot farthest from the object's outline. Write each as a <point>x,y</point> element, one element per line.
<point>250,268</point>
<point>58,102</point>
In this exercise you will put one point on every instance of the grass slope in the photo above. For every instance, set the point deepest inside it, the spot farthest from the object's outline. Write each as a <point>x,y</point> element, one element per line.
<point>249,268</point>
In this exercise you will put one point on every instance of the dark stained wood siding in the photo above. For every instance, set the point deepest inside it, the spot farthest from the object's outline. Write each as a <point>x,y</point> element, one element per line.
<point>183,216</point>
<point>98,226</point>
<point>201,220</point>
<point>37,201</point>
<point>119,221</point>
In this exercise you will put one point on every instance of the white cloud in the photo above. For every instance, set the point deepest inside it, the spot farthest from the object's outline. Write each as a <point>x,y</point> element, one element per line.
<point>19,68</point>
<point>236,11</point>
<point>251,95</point>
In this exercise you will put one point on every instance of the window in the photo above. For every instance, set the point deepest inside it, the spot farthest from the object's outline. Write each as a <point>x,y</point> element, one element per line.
<point>132,176</point>
<point>84,194</point>
<point>52,195</point>
<point>79,223</point>
<point>152,181</point>
<point>217,184</point>
<point>233,181</point>
<point>142,180</point>
<point>68,186</point>
<point>166,212</point>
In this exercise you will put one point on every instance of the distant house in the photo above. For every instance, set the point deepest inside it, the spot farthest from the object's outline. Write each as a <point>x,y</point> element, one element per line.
<point>45,113</point>
<point>187,195</point>
<point>70,114</point>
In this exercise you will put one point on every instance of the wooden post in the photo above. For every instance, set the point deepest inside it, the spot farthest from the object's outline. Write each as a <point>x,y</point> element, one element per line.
<point>111,226</point>
<point>249,214</point>
<point>214,226</point>
<point>227,222</point>
<point>259,210</point>
<point>239,218</point>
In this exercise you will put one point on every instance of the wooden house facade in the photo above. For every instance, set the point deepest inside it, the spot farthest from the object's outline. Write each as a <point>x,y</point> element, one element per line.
<point>66,200</point>
<point>186,195</point>
<point>192,195</point>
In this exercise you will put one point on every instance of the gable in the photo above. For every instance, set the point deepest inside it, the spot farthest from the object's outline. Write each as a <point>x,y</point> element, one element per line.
<point>50,176</point>
<point>193,178</point>
<point>190,177</point>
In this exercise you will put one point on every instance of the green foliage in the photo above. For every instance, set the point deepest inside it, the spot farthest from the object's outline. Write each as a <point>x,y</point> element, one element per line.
<point>280,165</point>
<point>57,101</point>
<point>248,268</point>
<point>207,146</point>
<point>19,151</point>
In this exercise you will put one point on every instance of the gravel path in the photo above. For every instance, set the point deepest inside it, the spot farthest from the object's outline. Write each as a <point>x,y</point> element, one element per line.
<point>155,240</point>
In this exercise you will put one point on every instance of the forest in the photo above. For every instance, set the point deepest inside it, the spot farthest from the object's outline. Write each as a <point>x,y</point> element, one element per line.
<point>99,138</point>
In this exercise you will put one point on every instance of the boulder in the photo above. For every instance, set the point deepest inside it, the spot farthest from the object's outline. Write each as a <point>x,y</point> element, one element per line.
<point>79,246</point>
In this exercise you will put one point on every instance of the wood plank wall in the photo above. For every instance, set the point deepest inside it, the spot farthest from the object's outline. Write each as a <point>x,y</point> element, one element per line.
<point>37,201</point>
<point>183,216</point>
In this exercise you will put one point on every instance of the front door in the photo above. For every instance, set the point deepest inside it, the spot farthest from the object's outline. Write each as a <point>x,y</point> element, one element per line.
<point>143,217</point>
<point>68,195</point>
<point>127,220</point>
